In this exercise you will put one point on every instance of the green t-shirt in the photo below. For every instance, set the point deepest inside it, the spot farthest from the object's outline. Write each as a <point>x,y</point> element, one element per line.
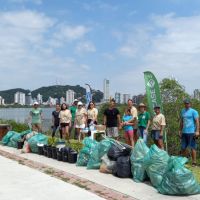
<point>73,112</point>
<point>36,115</point>
<point>143,119</point>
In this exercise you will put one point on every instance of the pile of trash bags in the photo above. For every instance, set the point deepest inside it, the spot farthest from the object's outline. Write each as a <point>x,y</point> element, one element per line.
<point>29,140</point>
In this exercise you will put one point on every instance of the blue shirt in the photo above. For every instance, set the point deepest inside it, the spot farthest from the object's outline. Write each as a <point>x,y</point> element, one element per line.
<point>189,116</point>
<point>127,118</point>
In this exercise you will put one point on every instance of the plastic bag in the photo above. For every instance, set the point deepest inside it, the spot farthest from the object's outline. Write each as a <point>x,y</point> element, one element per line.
<point>6,139</point>
<point>98,152</point>
<point>14,139</point>
<point>178,180</point>
<point>156,163</point>
<point>26,148</point>
<point>123,167</point>
<point>37,139</point>
<point>137,161</point>
<point>107,165</point>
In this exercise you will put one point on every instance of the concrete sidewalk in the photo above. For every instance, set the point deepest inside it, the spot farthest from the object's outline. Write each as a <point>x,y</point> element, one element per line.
<point>140,191</point>
<point>23,183</point>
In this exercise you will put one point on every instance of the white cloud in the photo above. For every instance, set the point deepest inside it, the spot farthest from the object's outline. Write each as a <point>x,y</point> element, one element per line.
<point>84,47</point>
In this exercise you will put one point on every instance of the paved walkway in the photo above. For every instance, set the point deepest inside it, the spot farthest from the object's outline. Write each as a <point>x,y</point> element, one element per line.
<point>23,183</point>
<point>93,180</point>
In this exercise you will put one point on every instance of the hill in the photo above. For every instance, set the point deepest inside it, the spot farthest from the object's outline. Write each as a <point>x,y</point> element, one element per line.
<point>55,91</point>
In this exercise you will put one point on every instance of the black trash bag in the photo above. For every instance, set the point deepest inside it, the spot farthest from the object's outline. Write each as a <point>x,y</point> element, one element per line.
<point>123,167</point>
<point>65,152</point>
<point>54,153</point>
<point>118,150</point>
<point>72,156</point>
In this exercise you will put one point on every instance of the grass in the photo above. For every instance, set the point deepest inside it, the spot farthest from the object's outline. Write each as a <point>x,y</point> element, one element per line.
<point>196,172</point>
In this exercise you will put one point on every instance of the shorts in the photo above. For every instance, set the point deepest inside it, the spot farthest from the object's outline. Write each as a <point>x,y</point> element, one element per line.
<point>129,134</point>
<point>112,131</point>
<point>89,121</point>
<point>80,126</point>
<point>188,140</point>
<point>155,134</point>
<point>64,125</point>
<point>142,133</point>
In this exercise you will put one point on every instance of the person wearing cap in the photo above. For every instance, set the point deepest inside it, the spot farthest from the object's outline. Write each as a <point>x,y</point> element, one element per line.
<point>158,125</point>
<point>189,129</point>
<point>36,117</point>
<point>143,122</point>
<point>73,109</point>
<point>80,119</point>
<point>112,120</point>
<point>65,117</point>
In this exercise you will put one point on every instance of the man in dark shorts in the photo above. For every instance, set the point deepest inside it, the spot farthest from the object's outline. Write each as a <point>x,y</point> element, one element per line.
<point>56,121</point>
<point>112,120</point>
<point>189,129</point>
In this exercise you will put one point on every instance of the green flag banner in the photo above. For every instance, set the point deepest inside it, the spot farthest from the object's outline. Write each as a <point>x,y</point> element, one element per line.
<point>152,91</point>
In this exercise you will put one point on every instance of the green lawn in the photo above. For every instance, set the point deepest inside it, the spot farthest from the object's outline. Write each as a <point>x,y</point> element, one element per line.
<point>196,171</point>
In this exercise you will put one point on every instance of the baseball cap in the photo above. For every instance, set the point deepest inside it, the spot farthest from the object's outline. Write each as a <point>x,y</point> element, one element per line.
<point>80,103</point>
<point>35,103</point>
<point>75,100</point>
<point>156,106</point>
<point>186,100</point>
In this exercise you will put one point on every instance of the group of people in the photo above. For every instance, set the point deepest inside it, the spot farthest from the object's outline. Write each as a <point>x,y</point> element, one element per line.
<point>135,122</point>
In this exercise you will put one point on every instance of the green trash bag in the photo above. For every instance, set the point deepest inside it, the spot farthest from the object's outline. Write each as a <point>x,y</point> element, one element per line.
<point>23,133</point>
<point>156,163</point>
<point>137,161</point>
<point>6,139</point>
<point>98,152</point>
<point>178,180</point>
<point>37,139</point>
<point>85,152</point>
<point>14,139</point>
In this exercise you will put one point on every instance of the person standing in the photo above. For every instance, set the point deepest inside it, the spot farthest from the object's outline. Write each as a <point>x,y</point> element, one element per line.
<point>143,122</point>
<point>128,125</point>
<point>73,109</point>
<point>112,120</point>
<point>36,117</point>
<point>56,121</point>
<point>92,113</point>
<point>65,120</point>
<point>158,125</point>
<point>80,119</point>
<point>189,129</point>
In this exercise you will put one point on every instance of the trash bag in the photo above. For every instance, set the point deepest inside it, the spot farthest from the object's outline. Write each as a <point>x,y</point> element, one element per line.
<point>155,163</point>
<point>118,150</point>
<point>6,139</point>
<point>14,139</point>
<point>178,180</point>
<point>23,133</point>
<point>123,167</point>
<point>107,165</point>
<point>85,152</point>
<point>98,152</point>
<point>137,161</point>
<point>37,139</point>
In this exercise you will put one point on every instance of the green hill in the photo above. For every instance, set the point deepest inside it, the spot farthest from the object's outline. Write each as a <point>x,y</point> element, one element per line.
<point>55,91</point>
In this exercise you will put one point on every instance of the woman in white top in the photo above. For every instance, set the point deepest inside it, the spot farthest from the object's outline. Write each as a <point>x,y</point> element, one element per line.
<point>92,113</point>
<point>65,120</point>
<point>80,118</point>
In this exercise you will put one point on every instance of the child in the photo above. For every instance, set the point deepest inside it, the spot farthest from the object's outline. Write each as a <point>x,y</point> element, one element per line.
<point>128,127</point>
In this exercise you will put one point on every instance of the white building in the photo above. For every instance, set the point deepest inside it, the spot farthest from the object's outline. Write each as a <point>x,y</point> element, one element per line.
<point>39,98</point>
<point>29,99</point>
<point>118,97</point>
<point>126,97</point>
<point>70,97</point>
<point>106,92</point>
<point>62,100</point>
<point>2,101</point>
<point>52,101</point>
<point>19,98</point>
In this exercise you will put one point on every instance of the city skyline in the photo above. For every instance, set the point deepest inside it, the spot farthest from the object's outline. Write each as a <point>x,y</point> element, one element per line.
<point>84,41</point>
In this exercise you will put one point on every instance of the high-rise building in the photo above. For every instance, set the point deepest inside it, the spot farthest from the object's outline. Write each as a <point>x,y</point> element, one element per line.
<point>62,100</point>
<point>137,99</point>
<point>39,98</point>
<point>118,97</point>
<point>70,97</point>
<point>52,101</point>
<point>28,99</point>
<point>106,92</point>
<point>197,94</point>
<point>2,101</point>
<point>126,97</point>
<point>19,98</point>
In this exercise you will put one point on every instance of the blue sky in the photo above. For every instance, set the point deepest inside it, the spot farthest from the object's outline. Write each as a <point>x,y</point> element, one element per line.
<point>46,42</point>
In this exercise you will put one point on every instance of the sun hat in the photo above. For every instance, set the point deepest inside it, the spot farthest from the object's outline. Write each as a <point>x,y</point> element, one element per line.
<point>142,105</point>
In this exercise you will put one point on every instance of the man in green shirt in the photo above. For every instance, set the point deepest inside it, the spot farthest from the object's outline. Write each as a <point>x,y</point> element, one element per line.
<point>143,122</point>
<point>73,109</point>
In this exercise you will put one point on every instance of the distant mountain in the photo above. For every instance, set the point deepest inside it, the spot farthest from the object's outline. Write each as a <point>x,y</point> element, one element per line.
<point>55,91</point>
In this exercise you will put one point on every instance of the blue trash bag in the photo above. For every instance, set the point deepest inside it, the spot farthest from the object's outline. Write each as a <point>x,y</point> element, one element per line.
<point>85,152</point>
<point>37,139</point>
<point>98,152</point>
<point>23,133</point>
<point>156,163</point>
<point>14,139</point>
<point>6,139</point>
<point>137,161</point>
<point>178,180</point>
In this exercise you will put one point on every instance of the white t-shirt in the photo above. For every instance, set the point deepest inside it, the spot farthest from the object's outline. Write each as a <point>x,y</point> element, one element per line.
<point>65,116</point>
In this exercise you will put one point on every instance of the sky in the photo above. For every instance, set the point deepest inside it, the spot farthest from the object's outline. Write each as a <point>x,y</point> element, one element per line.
<point>71,42</point>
